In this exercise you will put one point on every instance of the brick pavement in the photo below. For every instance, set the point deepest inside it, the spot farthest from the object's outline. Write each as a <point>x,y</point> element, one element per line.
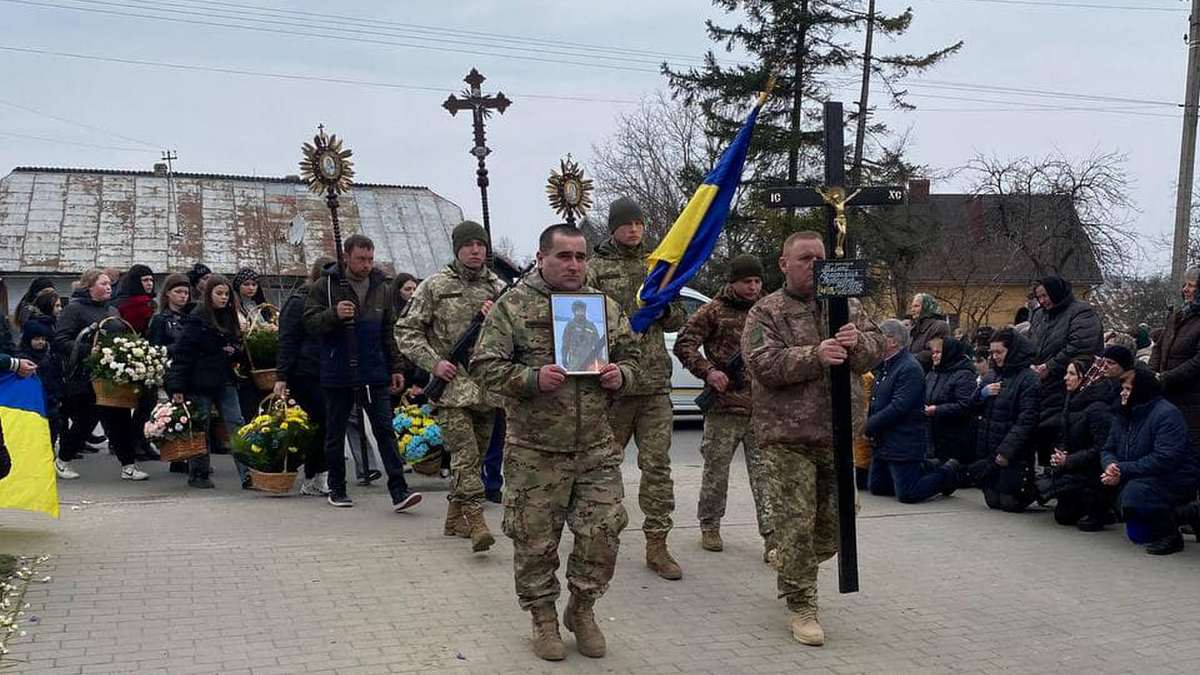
<point>155,578</point>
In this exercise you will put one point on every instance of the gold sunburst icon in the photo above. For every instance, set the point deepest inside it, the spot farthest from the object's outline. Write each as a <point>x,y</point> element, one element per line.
<point>570,194</point>
<point>326,164</point>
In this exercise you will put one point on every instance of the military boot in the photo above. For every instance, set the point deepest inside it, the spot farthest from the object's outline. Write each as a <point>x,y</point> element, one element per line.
<point>710,539</point>
<point>659,559</point>
<point>547,643</point>
<point>456,525</point>
<point>481,537</point>
<point>806,629</point>
<point>580,620</point>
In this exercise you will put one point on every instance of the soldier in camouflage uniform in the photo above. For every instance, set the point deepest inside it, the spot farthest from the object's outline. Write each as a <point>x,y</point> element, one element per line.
<point>789,360</point>
<point>561,464</point>
<point>440,311</point>
<point>644,412</point>
<point>717,327</point>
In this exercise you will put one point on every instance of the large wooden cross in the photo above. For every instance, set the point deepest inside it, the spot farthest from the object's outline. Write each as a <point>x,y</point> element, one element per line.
<point>481,107</point>
<point>835,196</point>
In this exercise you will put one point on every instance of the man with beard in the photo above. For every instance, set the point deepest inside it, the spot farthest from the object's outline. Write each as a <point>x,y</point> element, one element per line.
<point>561,464</point>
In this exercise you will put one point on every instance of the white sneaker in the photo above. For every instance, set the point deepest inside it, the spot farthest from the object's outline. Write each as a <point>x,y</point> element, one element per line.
<point>64,470</point>
<point>132,472</point>
<point>315,486</point>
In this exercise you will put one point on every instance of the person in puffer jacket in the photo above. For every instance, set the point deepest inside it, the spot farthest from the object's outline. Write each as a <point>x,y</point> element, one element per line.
<point>1008,401</point>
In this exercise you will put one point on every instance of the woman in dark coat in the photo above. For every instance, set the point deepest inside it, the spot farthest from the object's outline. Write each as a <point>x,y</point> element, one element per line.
<point>1075,480</point>
<point>949,390</point>
<point>1063,328</point>
<point>25,304</point>
<point>1176,356</point>
<point>73,341</point>
<point>202,367</point>
<point>1008,403</point>
<point>166,327</point>
<point>1149,459</point>
<point>928,324</point>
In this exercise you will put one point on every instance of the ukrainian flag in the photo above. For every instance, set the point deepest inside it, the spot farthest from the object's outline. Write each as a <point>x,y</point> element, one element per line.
<point>690,241</point>
<point>25,437</point>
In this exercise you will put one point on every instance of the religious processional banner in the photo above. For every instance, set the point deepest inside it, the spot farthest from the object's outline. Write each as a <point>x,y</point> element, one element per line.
<point>31,484</point>
<point>691,239</point>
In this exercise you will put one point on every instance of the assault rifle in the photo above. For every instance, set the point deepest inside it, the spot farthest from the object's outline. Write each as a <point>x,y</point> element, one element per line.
<point>733,370</point>
<point>460,353</point>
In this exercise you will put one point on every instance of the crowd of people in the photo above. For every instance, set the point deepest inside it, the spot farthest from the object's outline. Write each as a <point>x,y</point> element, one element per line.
<point>1104,425</point>
<point>1050,409</point>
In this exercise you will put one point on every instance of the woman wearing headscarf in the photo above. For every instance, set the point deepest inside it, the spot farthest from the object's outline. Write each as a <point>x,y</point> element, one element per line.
<point>1064,328</point>
<point>1149,460</point>
<point>1075,479</point>
<point>1176,356</point>
<point>1008,413</point>
<point>25,304</point>
<point>202,367</point>
<point>949,390</point>
<point>197,276</point>
<point>73,340</point>
<point>134,297</point>
<point>249,297</point>
<point>928,323</point>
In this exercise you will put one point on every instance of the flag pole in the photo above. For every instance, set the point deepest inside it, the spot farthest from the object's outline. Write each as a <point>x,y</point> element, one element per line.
<point>762,100</point>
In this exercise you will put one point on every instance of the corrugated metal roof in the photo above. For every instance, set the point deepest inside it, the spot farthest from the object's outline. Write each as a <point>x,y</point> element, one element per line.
<point>60,220</point>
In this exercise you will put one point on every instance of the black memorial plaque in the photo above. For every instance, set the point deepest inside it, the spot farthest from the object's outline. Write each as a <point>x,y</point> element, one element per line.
<point>841,279</point>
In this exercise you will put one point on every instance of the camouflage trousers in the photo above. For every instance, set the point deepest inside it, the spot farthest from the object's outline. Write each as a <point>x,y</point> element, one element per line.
<point>723,433</point>
<point>648,420</point>
<point>466,433</point>
<point>804,495</point>
<point>544,490</point>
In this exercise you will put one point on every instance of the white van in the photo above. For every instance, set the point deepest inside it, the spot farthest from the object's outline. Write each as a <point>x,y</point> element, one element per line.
<point>685,387</point>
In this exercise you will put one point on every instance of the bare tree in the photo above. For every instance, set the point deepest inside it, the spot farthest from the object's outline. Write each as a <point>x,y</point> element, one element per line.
<point>658,156</point>
<point>1046,203</point>
<point>1129,302</point>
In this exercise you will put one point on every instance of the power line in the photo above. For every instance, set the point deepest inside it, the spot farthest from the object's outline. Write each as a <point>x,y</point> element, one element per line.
<point>66,142</point>
<point>286,76</point>
<point>1057,4</point>
<point>1036,93</point>
<point>82,125</point>
<point>1023,105</point>
<point>344,38</point>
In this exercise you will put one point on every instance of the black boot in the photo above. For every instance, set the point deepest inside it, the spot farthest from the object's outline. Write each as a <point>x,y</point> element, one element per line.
<point>1090,523</point>
<point>200,479</point>
<point>1189,516</point>
<point>861,477</point>
<point>952,470</point>
<point>1166,545</point>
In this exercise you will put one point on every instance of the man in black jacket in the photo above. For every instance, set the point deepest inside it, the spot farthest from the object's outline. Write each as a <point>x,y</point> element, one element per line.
<point>355,322</point>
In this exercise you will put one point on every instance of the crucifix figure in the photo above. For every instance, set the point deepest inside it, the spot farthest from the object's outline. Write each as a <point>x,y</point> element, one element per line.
<point>835,197</point>
<point>481,107</point>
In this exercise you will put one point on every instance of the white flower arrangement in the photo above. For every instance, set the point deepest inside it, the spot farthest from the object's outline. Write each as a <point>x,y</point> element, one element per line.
<point>129,360</point>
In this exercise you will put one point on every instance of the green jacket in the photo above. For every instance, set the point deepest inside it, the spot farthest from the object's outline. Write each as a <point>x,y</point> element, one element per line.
<point>516,341</point>
<point>618,272</point>
<point>440,310</point>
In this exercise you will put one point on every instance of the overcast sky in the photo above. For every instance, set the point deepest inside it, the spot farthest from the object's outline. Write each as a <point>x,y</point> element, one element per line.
<point>226,123</point>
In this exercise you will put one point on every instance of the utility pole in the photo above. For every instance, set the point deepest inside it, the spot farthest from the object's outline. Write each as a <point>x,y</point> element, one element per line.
<point>797,114</point>
<point>169,156</point>
<point>1187,153</point>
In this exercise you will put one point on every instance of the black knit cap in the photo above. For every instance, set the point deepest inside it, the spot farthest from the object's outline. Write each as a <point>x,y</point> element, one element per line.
<point>466,232</point>
<point>1120,356</point>
<point>622,212</point>
<point>744,266</point>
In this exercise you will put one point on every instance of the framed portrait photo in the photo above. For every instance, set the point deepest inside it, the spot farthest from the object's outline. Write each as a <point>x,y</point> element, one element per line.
<point>580,332</point>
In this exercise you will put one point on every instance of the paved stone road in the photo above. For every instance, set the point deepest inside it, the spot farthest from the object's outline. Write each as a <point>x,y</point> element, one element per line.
<point>155,578</point>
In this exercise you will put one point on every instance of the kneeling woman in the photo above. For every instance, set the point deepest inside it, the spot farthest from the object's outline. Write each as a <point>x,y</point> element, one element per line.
<point>1075,480</point>
<point>202,367</point>
<point>1149,458</point>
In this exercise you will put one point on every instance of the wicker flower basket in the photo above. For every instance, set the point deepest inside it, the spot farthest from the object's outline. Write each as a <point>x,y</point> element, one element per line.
<point>112,395</point>
<point>277,483</point>
<point>264,378</point>
<point>183,448</point>
<point>430,465</point>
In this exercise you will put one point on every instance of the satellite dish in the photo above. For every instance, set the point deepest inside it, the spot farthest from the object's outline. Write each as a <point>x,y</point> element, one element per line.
<point>296,230</point>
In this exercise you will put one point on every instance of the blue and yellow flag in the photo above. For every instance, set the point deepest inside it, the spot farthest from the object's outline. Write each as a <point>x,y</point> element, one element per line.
<point>691,239</point>
<point>25,437</point>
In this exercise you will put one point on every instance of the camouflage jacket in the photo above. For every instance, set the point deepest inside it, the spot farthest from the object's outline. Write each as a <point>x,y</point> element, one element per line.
<point>618,272</point>
<point>790,385</point>
<point>717,327</point>
<point>517,340</point>
<point>440,311</point>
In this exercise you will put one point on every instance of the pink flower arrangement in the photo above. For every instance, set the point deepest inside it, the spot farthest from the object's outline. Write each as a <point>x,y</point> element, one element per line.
<point>170,420</point>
